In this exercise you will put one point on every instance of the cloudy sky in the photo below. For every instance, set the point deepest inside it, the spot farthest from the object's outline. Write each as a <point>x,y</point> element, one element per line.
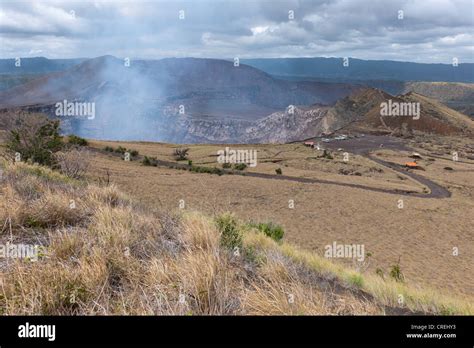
<point>432,31</point>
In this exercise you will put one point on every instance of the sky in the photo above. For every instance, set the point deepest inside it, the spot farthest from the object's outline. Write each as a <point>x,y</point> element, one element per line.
<point>429,31</point>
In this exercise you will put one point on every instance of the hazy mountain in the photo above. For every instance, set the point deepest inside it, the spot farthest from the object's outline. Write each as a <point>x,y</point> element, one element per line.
<point>209,100</point>
<point>36,65</point>
<point>358,69</point>
<point>317,67</point>
<point>389,76</point>
<point>198,84</point>
<point>143,101</point>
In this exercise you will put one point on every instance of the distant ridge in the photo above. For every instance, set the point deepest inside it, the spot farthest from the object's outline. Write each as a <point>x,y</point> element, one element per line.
<point>37,65</point>
<point>194,82</point>
<point>358,69</point>
<point>317,67</point>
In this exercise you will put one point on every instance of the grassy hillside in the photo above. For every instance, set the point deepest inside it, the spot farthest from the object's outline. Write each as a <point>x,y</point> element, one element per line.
<point>107,254</point>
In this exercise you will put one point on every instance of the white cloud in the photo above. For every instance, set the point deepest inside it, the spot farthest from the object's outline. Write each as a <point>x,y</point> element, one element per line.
<point>431,31</point>
<point>259,30</point>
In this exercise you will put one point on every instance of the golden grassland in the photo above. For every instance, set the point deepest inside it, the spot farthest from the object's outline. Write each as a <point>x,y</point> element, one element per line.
<point>422,234</point>
<point>112,254</point>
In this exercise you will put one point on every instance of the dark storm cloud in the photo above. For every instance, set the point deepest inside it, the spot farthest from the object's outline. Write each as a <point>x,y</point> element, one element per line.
<point>430,31</point>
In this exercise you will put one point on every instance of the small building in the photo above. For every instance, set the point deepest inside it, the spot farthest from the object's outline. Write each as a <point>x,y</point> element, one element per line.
<point>412,165</point>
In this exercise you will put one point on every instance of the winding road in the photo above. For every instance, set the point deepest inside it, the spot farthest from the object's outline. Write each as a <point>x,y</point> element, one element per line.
<point>361,146</point>
<point>365,145</point>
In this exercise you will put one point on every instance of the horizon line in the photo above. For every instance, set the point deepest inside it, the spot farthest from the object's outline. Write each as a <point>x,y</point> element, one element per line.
<point>231,58</point>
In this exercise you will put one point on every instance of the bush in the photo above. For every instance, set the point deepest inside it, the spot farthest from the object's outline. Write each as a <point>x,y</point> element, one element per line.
<point>35,138</point>
<point>209,170</point>
<point>121,150</point>
<point>230,235</point>
<point>278,171</point>
<point>146,161</point>
<point>327,154</point>
<point>181,153</point>
<point>272,230</point>
<point>73,163</point>
<point>149,161</point>
<point>240,166</point>
<point>396,272</point>
<point>226,165</point>
<point>75,140</point>
<point>356,280</point>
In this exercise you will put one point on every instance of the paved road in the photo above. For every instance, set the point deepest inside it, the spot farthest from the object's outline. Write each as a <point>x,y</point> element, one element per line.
<point>364,145</point>
<point>437,191</point>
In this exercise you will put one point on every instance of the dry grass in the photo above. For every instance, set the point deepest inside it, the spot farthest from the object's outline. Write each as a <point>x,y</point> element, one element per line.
<point>423,233</point>
<point>108,255</point>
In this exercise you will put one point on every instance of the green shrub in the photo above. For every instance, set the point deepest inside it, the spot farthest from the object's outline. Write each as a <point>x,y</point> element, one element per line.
<point>272,230</point>
<point>226,165</point>
<point>356,280</point>
<point>36,138</point>
<point>149,161</point>
<point>75,140</point>
<point>32,222</point>
<point>217,171</point>
<point>230,235</point>
<point>190,163</point>
<point>146,161</point>
<point>278,171</point>
<point>240,166</point>
<point>121,150</point>
<point>209,170</point>
<point>252,254</point>
<point>396,272</point>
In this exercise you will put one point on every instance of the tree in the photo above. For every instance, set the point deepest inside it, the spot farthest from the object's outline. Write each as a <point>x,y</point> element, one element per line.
<point>35,137</point>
